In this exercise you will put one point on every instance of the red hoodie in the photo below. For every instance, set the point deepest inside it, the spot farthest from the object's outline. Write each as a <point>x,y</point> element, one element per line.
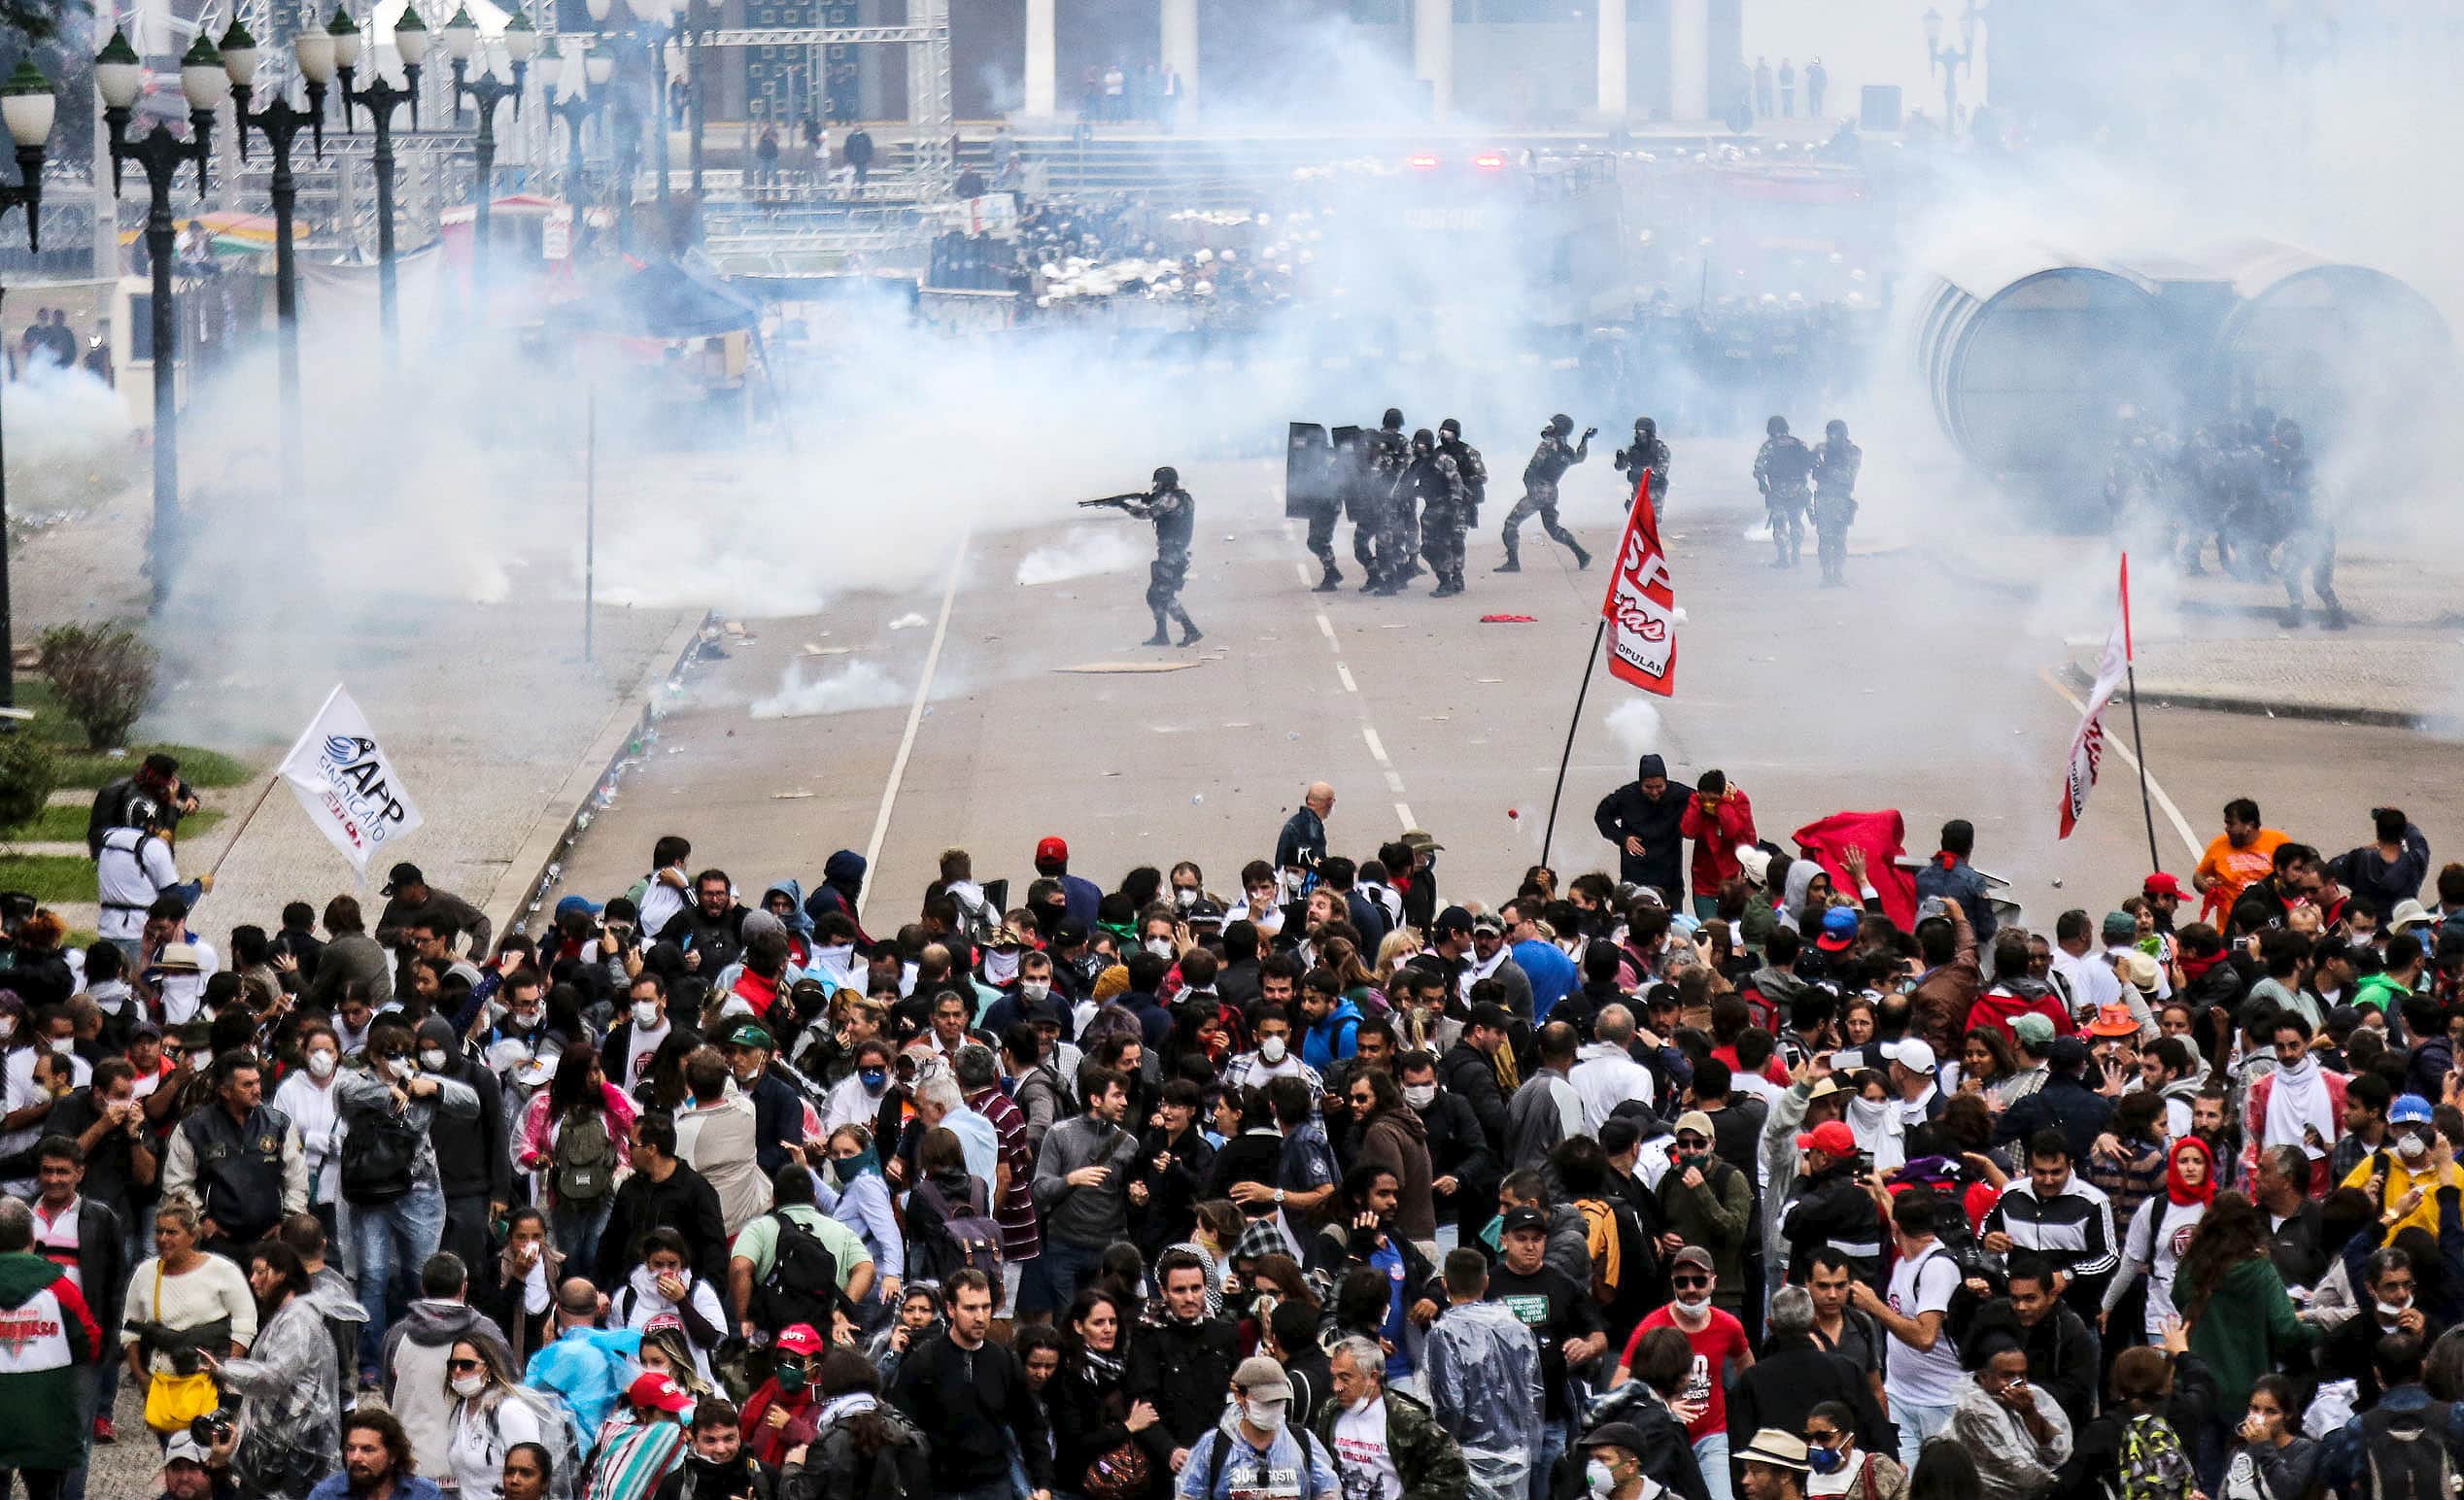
<point>1716,834</point>
<point>1997,1007</point>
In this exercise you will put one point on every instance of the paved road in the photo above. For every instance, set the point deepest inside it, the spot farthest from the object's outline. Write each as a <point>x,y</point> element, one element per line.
<point>1912,688</point>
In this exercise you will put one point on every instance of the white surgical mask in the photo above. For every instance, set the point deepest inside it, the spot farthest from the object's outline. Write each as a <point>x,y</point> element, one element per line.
<point>646,1014</point>
<point>432,1059</point>
<point>1264,1416</point>
<point>320,1064</point>
<point>2411,1146</point>
<point>2391,1310</point>
<point>1184,896</point>
<point>1361,1405</point>
<point>63,1046</point>
<point>1597,1480</point>
<point>526,1019</point>
<point>1419,1096</point>
<point>1034,989</point>
<point>1270,1050</point>
<point>1161,947</point>
<point>469,1386</point>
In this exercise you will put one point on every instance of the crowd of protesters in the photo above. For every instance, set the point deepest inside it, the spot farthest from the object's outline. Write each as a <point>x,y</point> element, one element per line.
<point>1839,1180</point>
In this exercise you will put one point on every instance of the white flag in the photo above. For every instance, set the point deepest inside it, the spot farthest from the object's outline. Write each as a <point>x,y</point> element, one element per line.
<point>2087,746</point>
<point>342,777</point>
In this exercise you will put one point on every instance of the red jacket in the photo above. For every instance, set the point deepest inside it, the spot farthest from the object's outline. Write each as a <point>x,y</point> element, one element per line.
<point>1998,1007</point>
<point>1716,838</point>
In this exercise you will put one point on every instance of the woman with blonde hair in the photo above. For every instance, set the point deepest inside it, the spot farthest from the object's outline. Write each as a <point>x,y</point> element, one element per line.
<point>1396,949</point>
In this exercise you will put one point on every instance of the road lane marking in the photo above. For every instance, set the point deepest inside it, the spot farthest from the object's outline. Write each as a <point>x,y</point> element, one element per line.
<point>1377,746</point>
<point>914,719</point>
<point>1325,626</point>
<point>1345,672</point>
<point>1403,811</point>
<point>2155,787</point>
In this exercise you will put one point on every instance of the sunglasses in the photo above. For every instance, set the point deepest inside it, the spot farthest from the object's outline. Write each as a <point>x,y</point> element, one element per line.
<point>1682,1281</point>
<point>463,1366</point>
<point>1822,1439</point>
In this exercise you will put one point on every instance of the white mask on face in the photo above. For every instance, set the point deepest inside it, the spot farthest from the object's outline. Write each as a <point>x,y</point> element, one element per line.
<point>2391,1310</point>
<point>1001,967</point>
<point>1270,1050</point>
<point>63,1046</point>
<point>469,1386</point>
<point>1264,1416</point>
<point>524,1020</point>
<point>646,1014</point>
<point>1597,1480</point>
<point>1184,896</point>
<point>1161,947</point>
<point>1419,1096</point>
<point>2411,1146</point>
<point>432,1059</point>
<point>1034,989</point>
<point>320,1064</point>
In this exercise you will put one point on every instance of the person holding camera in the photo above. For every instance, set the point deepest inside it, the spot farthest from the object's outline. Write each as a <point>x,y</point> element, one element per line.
<point>197,1471</point>
<point>290,1417</point>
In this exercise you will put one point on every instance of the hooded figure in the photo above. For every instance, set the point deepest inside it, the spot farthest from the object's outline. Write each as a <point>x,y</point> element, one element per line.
<point>1641,818</point>
<point>842,885</point>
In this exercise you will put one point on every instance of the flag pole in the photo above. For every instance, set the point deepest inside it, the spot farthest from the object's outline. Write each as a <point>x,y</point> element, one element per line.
<point>1549,835</point>
<point>271,782</point>
<point>2138,744</point>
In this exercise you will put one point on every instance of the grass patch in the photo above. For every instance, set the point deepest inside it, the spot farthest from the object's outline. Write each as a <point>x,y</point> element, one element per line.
<point>49,878</point>
<point>80,766</point>
<point>64,824</point>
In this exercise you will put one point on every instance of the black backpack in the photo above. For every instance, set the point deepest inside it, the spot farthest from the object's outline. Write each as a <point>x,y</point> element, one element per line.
<point>802,1285</point>
<point>377,1154</point>
<point>2407,1453</point>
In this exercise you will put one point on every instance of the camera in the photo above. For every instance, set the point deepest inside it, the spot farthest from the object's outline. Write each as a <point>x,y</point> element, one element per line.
<point>211,1430</point>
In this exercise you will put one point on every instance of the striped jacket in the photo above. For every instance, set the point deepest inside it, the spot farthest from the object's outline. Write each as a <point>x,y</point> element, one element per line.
<point>2073,1229</point>
<point>48,1344</point>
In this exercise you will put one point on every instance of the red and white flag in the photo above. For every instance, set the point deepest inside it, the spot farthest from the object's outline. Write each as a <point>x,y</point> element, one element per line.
<point>1641,606</point>
<point>2087,746</point>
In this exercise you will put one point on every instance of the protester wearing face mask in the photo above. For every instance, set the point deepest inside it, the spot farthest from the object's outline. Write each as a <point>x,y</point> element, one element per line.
<point>633,1041</point>
<point>858,1197</point>
<point>1382,1446</point>
<point>491,1413</point>
<point>778,1413</point>
<point>1839,1465</point>
<point>2272,1460</point>
<point>2391,1304</point>
<point>1616,1465</point>
<point>307,1097</point>
<point>1720,1353</point>
<point>866,1096</point>
<point>2418,1161</point>
<point>1273,1058</point>
<point>1256,1451</point>
<point>576,1136</point>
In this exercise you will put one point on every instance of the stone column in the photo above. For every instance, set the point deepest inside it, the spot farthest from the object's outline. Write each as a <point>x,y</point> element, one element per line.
<point>1612,62</point>
<point>1041,60</point>
<point>1433,52</point>
<point>1689,60</point>
<point>1178,31</point>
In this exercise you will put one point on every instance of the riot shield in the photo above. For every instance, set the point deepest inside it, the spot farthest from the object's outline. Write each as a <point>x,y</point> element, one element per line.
<point>1310,482</point>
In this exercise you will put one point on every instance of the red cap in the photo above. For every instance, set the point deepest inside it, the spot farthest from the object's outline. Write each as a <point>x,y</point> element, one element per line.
<point>1831,1138</point>
<point>1051,851</point>
<point>2162,884</point>
<point>799,1339</point>
<point>657,1391</point>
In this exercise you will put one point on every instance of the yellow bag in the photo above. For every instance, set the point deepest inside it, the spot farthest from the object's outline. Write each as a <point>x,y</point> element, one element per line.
<point>171,1400</point>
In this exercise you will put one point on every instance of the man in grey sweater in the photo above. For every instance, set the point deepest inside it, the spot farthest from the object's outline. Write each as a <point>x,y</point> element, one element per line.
<point>1083,1190</point>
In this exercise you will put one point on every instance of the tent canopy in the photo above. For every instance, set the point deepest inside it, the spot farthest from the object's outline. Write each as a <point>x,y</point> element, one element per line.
<point>661,300</point>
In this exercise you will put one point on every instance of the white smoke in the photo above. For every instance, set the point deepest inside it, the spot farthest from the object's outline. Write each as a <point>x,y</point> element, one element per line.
<point>1083,553</point>
<point>857,685</point>
<point>1635,725</point>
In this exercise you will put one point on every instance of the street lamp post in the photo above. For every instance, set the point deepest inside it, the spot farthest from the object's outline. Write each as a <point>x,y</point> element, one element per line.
<point>575,108</point>
<point>119,77</point>
<point>380,98</point>
<point>26,104</point>
<point>646,27</point>
<point>1951,59</point>
<point>280,123</point>
<point>461,43</point>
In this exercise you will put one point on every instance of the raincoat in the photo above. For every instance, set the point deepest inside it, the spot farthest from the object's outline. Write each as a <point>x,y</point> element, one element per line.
<point>291,1408</point>
<point>585,1368</point>
<point>1483,1370</point>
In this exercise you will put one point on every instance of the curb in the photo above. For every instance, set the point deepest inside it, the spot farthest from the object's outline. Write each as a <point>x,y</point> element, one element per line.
<point>2083,680</point>
<point>526,873</point>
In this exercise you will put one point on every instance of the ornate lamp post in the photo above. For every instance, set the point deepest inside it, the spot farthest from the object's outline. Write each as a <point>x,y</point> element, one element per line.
<point>1951,59</point>
<point>119,77</point>
<point>280,123</point>
<point>26,105</point>
<point>580,102</point>
<point>380,98</point>
<point>461,43</point>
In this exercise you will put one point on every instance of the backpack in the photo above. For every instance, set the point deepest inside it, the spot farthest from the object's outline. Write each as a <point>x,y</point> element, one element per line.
<point>940,1243</point>
<point>2153,1465</point>
<point>377,1154</point>
<point>583,1164</point>
<point>1308,1457</point>
<point>1599,1233</point>
<point>2407,1453</point>
<point>802,1285</point>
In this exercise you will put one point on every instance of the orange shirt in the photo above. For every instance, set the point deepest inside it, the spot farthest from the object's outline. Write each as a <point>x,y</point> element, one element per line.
<point>2233,868</point>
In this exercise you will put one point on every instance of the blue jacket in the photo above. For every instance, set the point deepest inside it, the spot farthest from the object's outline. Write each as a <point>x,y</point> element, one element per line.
<point>1960,881</point>
<point>585,1368</point>
<point>1333,1038</point>
<point>1551,974</point>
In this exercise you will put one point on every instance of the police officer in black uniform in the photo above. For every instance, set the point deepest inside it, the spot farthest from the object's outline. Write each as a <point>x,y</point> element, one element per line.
<point>2310,538</point>
<point>1433,484</point>
<point>1389,455</point>
<point>1469,467</point>
<point>1781,468</point>
<point>1648,453</point>
<point>1548,463</point>
<point>1175,518</point>
<point>1836,465</point>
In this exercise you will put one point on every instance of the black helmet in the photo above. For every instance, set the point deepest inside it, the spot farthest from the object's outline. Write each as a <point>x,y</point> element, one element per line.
<point>1834,427</point>
<point>1646,428</point>
<point>1394,421</point>
<point>1424,440</point>
<point>1561,423</point>
<point>1166,478</point>
<point>1450,428</point>
<point>1777,426</point>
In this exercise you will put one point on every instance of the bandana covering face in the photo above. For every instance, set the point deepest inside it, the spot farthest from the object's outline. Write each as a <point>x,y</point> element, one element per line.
<point>2181,1191</point>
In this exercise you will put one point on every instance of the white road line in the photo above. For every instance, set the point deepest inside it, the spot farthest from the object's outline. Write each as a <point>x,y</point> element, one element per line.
<point>1377,746</point>
<point>915,718</point>
<point>1301,570</point>
<point>1403,811</point>
<point>1345,672</point>
<point>2121,747</point>
<point>1394,783</point>
<point>1325,626</point>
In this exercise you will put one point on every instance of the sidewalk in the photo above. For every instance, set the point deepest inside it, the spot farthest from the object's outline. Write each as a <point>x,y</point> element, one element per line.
<point>488,711</point>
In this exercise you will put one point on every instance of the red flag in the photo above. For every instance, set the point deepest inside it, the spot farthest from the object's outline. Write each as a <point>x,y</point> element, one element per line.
<point>1883,836</point>
<point>1641,604</point>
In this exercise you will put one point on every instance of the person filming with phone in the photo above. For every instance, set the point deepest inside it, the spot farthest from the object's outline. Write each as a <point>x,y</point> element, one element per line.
<point>2016,1434</point>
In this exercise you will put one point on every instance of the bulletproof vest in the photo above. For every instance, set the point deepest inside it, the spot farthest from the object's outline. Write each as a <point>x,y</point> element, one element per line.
<point>1786,463</point>
<point>1427,483</point>
<point>1391,451</point>
<point>239,1166</point>
<point>1549,461</point>
<point>1467,468</point>
<point>1175,527</point>
<point>1835,467</point>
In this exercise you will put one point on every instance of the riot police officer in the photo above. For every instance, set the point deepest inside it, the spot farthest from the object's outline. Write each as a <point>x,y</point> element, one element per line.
<point>1175,518</point>
<point>1836,465</point>
<point>1648,453</point>
<point>1780,471</point>
<point>1548,463</point>
<point>2309,539</point>
<point>1469,467</point>
<point>1389,455</point>
<point>1434,484</point>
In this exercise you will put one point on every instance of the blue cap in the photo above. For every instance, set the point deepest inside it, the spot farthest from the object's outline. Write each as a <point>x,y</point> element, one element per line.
<point>1839,929</point>
<point>577,903</point>
<point>2409,1109</point>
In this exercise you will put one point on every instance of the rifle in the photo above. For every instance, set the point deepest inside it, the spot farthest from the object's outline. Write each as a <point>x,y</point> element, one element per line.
<point>1120,500</point>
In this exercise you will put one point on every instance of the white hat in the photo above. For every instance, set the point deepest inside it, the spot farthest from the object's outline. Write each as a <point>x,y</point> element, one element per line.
<point>1911,1053</point>
<point>184,1447</point>
<point>1755,861</point>
<point>2408,914</point>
